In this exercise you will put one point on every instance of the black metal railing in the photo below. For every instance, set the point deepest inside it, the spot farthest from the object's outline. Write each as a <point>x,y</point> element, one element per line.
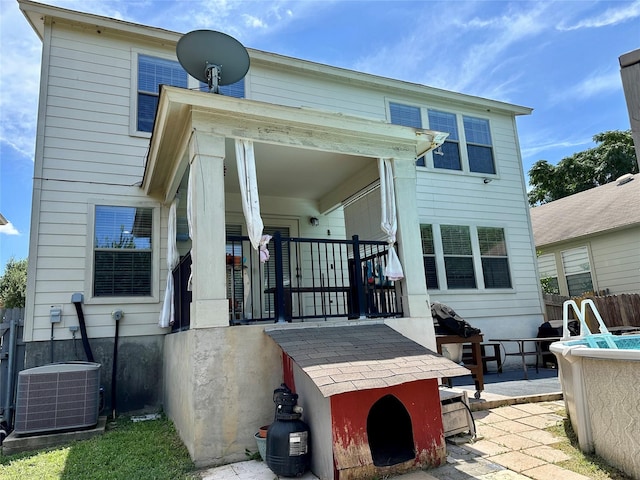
<point>304,279</point>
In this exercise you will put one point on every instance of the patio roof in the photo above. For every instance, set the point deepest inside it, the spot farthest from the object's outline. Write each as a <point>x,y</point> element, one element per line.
<point>307,153</point>
<point>341,359</point>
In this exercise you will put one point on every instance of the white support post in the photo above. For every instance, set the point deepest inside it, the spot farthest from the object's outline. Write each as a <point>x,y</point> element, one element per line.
<point>209,306</point>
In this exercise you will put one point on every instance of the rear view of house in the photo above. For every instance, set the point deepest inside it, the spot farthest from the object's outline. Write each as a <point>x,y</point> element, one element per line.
<point>143,225</point>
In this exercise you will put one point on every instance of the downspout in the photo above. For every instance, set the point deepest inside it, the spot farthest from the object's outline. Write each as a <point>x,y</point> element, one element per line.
<point>77,299</point>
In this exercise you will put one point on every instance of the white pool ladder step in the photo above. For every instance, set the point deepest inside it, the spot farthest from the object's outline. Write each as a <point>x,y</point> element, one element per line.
<point>585,332</point>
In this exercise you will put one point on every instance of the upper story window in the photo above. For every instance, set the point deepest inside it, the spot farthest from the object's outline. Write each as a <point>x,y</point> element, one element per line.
<point>477,157</point>
<point>155,71</point>
<point>448,154</point>
<point>577,271</point>
<point>123,245</point>
<point>479,148</point>
<point>407,116</point>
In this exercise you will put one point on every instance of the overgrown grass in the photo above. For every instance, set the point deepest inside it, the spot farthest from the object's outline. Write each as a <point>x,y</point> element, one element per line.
<point>126,451</point>
<point>589,465</point>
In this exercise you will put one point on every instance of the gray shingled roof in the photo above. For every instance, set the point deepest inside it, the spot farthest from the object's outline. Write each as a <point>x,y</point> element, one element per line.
<point>597,210</point>
<point>342,359</point>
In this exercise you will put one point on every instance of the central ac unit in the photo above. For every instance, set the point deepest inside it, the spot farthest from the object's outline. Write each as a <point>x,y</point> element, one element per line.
<point>60,396</point>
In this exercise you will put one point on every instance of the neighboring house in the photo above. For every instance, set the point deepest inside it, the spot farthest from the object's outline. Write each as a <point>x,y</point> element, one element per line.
<point>590,241</point>
<point>114,152</point>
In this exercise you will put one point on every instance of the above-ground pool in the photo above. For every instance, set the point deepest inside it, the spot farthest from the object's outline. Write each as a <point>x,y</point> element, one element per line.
<point>600,376</point>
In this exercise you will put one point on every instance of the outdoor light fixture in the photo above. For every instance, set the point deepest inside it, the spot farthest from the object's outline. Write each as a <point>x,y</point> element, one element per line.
<point>487,180</point>
<point>314,221</point>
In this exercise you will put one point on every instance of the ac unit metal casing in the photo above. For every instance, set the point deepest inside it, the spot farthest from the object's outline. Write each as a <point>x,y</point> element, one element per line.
<point>60,396</point>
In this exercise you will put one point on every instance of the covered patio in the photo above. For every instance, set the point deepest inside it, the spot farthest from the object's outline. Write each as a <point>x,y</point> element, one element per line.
<point>309,164</point>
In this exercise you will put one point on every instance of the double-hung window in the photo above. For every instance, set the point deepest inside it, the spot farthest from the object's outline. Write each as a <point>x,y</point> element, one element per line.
<point>548,273</point>
<point>466,253</point>
<point>458,256</point>
<point>577,271</point>
<point>152,72</point>
<point>479,147</point>
<point>407,116</point>
<point>123,247</point>
<point>429,257</point>
<point>493,254</point>
<point>155,71</point>
<point>448,154</point>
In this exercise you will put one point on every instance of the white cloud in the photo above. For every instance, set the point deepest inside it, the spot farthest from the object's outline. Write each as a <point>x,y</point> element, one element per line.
<point>612,16</point>
<point>8,229</point>
<point>592,86</point>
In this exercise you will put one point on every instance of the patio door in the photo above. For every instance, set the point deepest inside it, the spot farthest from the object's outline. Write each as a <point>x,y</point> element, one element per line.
<point>250,284</point>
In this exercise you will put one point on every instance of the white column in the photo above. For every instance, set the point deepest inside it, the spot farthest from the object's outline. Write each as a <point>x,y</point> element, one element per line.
<point>416,323</point>
<point>209,305</point>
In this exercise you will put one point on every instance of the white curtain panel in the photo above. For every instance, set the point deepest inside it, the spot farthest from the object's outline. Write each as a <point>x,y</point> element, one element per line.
<point>389,225</point>
<point>246,162</point>
<point>167,313</point>
<point>190,222</point>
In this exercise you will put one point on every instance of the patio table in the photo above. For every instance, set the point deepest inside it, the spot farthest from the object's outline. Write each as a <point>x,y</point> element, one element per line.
<point>522,353</point>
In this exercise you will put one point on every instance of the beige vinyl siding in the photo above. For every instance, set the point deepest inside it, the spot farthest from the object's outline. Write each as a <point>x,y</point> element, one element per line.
<point>616,261</point>
<point>87,154</point>
<point>86,144</point>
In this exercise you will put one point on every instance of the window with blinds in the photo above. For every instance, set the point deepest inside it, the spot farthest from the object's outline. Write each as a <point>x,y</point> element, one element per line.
<point>122,251</point>
<point>458,256</point>
<point>429,257</point>
<point>493,254</point>
<point>577,271</point>
<point>548,273</point>
<point>152,72</point>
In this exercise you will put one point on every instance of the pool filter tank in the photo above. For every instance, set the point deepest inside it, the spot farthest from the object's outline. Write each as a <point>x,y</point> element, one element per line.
<point>288,453</point>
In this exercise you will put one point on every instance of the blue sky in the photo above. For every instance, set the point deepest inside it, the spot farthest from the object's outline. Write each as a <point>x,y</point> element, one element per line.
<point>558,57</point>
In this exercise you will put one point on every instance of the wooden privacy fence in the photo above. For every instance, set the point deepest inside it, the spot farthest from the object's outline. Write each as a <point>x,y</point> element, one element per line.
<point>615,310</point>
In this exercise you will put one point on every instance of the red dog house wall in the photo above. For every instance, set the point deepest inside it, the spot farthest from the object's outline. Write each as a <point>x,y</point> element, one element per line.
<point>370,398</point>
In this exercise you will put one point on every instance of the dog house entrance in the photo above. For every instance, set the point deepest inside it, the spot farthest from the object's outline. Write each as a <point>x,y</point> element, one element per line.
<point>390,432</point>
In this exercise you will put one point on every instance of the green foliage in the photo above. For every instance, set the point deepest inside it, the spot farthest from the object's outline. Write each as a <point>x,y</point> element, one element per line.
<point>143,450</point>
<point>549,286</point>
<point>13,284</point>
<point>613,157</point>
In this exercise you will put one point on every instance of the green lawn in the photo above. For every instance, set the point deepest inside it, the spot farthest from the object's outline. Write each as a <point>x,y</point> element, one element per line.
<point>589,465</point>
<point>126,451</point>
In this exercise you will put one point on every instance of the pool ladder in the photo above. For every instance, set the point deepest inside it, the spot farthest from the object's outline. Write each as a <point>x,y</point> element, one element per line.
<point>585,332</point>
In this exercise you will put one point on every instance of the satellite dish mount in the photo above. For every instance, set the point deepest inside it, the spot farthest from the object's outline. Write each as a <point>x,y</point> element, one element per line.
<point>202,53</point>
<point>213,74</point>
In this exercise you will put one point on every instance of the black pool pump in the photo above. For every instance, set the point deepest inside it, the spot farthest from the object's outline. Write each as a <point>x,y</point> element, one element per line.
<point>288,453</point>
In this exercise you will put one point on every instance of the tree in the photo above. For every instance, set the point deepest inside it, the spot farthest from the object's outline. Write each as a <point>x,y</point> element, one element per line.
<point>13,284</point>
<point>611,158</point>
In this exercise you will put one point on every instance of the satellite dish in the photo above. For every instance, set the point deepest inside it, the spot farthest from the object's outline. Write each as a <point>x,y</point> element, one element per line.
<point>212,57</point>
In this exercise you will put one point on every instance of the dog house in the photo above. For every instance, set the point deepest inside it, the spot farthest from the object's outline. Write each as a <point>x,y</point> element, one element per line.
<point>370,397</point>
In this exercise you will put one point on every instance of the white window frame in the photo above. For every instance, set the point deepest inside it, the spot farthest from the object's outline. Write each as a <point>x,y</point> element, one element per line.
<point>154,296</point>
<point>587,252</point>
<point>192,83</point>
<point>443,286</point>
<point>462,139</point>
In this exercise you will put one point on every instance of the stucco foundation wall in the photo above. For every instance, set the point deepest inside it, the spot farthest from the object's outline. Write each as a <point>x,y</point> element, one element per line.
<point>224,389</point>
<point>139,368</point>
<point>613,389</point>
